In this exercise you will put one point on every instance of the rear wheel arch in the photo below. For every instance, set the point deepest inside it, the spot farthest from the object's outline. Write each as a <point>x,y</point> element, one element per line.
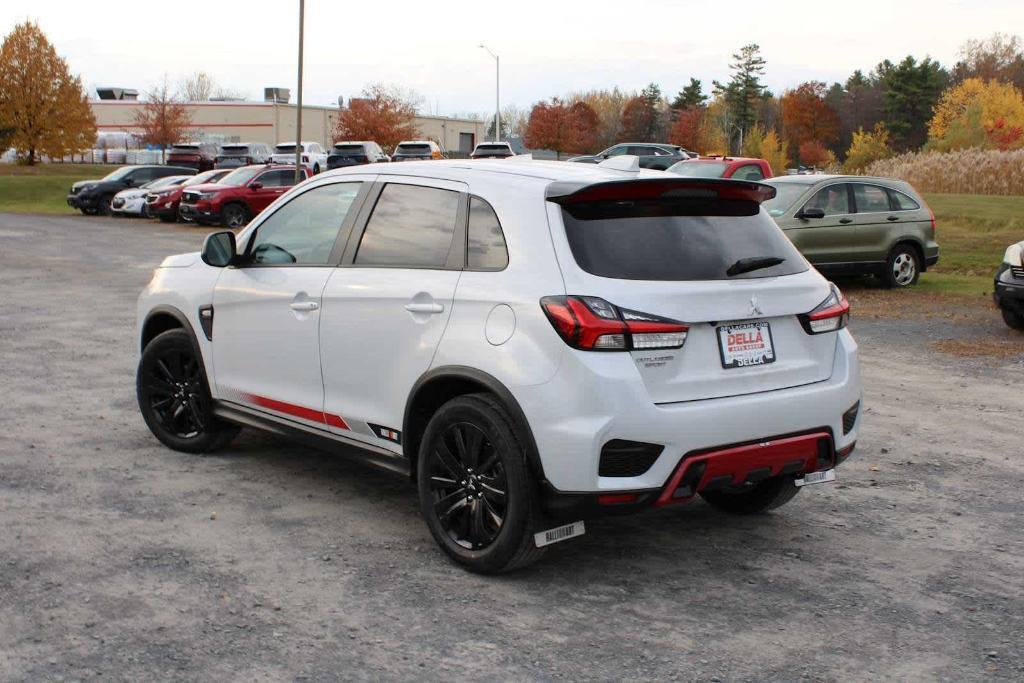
<point>440,385</point>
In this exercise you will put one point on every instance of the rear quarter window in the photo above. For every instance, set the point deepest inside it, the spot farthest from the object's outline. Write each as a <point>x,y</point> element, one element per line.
<point>675,240</point>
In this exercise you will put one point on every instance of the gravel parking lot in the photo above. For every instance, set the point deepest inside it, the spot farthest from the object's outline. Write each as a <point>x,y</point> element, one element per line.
<point>120,559</point>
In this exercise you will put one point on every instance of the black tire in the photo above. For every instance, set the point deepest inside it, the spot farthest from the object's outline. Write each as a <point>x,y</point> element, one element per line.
<point>316,169</point>
<point>469,452</point>
<point>748,500</point>
<point>103,207</point>
<point>1013,319</point>
<point>902,267</point>
<point>174,397</point>
<point>234,215</point>
<point>164,218</point>
<point>90,211</point>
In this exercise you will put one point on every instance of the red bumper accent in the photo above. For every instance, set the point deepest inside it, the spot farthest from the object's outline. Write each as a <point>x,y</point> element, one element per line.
<point>737,464</point>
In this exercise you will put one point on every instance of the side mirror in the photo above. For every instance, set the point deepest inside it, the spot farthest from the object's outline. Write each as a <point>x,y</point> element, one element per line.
<point>219,249</point>
<point>256,185</point>
<point>812,213</point>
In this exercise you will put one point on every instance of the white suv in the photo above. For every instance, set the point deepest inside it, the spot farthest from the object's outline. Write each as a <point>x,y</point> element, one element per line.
<point>313,155</point>
<point>533,342</point>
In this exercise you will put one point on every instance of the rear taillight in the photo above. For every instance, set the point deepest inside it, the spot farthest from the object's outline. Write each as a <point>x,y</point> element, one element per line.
<point>830,315</point>
<point>592,324</point>
<point>932,214</point>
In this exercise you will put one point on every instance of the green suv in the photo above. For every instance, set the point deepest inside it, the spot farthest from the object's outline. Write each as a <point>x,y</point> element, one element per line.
<point>857,225</point>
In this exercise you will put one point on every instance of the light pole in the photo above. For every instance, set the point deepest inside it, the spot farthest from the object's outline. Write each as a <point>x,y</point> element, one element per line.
<point>298,111</point>
<point>497,93</point>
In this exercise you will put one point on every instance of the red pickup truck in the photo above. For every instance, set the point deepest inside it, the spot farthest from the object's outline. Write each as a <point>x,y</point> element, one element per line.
<point>238,196</point>
<point>737,168</point>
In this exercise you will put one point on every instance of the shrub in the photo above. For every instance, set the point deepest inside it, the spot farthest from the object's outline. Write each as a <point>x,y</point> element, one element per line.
<point>969,171</point>
<point>867,148</point>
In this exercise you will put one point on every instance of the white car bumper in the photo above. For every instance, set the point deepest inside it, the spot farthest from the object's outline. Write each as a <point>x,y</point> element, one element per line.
<point>613,404</point>
<point>132,205</point>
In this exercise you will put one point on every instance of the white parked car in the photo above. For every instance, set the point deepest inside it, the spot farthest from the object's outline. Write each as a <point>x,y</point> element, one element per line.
<point>532,342</point>
<point>313,155</point>
<point>132,202</point>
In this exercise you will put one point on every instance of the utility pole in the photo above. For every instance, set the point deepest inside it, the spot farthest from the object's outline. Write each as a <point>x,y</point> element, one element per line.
<point>298,111</point>
<point>497,93</point>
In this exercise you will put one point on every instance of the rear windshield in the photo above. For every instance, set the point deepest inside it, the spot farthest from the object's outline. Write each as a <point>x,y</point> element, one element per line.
<point>492,148</point>
<point>413,149</point>
<point>234,149</point>
<point>348,149</point>
<point>185,149</point>
<point>661,239</point>
<point>285,149</point>
<point>700,169</point>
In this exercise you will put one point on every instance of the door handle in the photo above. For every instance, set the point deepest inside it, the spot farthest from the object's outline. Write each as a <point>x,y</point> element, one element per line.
<point>425,308</point>
<point>892,218</point>
<point>845,221</point>
<point>305,305</point>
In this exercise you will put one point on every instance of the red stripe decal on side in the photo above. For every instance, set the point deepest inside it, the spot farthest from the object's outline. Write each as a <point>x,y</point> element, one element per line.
<point>288,408</point>
<point>336,421</point>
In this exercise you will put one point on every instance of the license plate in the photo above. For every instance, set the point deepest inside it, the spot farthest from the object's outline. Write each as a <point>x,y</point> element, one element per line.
<point>745,345</point>
<point>816,478</point>
<point>559,533</point>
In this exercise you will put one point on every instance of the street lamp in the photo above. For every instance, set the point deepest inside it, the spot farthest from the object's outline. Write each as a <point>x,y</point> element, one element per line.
<point>298,111</point>
<point>497,93</point>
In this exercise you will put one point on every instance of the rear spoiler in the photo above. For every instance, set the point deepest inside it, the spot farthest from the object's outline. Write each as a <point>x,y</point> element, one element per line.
<point>565,193</point>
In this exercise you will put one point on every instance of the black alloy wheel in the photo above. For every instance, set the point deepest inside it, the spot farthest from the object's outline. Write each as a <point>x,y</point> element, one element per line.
<point>477,494</point>
<point>469,486</point>
<point>174,397</point>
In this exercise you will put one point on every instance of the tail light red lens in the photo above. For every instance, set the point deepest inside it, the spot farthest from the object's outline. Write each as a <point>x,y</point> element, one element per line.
<point>590,323</point>
<point>831,315</point>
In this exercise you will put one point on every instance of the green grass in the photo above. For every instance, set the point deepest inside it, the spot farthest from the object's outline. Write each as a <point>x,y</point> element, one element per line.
<point>43,188</point>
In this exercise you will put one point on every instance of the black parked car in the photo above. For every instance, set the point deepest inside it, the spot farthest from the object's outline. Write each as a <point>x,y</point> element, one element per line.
<point>652,155</point>
<point>355,153</point>
<point>93,197</point>
<point>1009,286</point>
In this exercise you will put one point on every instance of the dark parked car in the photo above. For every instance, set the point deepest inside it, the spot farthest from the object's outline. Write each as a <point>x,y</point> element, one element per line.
<point>656,156</point>
<point>492,150</point>
<point>242,154</point>
<point>1009,286</point>
<point>238,196</point>
<point>93,197</point>
<point>355,153</point>
<point>198,155</point>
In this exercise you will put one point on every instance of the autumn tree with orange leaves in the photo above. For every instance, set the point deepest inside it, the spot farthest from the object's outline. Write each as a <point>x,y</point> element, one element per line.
<point>383,114</point>
<point>807,117</point>
<point>43,108</point>
<point>163,117</point>
<point>562,127</point>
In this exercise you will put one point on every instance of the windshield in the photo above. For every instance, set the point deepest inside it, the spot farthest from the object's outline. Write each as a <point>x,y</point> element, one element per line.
<point>699,169</point>
<point>348,149</point>
<point>659,239</point>
<point>785,195</point>
<point>164,182</point>
<point>285,149</point>
<point>119,173</point>
<point>208,177</point>
<point>413,149</point>
<point>240,176</point>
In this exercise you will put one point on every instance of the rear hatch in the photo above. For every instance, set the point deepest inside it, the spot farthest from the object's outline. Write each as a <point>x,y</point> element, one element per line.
<point>412,152</point>
<point>231,156</point>
<point>665,248</point>
<point>347,155</point>
<point>184,155</point>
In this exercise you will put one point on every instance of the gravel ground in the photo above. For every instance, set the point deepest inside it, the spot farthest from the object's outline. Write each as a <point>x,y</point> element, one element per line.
<point>120,559</point>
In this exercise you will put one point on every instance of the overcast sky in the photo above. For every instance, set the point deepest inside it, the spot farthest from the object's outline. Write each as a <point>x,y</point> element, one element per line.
<point>546,48</point>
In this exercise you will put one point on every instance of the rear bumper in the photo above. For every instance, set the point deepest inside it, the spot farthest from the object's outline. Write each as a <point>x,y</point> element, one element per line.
<point>608,401</point>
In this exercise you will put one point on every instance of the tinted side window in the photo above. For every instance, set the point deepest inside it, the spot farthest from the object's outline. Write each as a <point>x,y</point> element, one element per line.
<point>411,226</point>
<point>278,178</point>
<point>833,200</point>
<point>304,230</point>
<point>870,198</point>
<point>142,175</point>
<point>486,248</point>
<point>617,150</point>
<point>902,202</point>
<point>748,172</point>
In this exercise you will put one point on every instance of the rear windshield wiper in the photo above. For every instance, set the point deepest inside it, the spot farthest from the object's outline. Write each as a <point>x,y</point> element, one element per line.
<point>746,265</point>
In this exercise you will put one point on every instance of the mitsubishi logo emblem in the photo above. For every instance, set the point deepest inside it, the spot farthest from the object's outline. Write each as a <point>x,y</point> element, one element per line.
<point>754,310</point>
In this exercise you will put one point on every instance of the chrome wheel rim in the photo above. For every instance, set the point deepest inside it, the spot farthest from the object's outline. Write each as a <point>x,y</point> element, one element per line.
<point>904,268</point>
